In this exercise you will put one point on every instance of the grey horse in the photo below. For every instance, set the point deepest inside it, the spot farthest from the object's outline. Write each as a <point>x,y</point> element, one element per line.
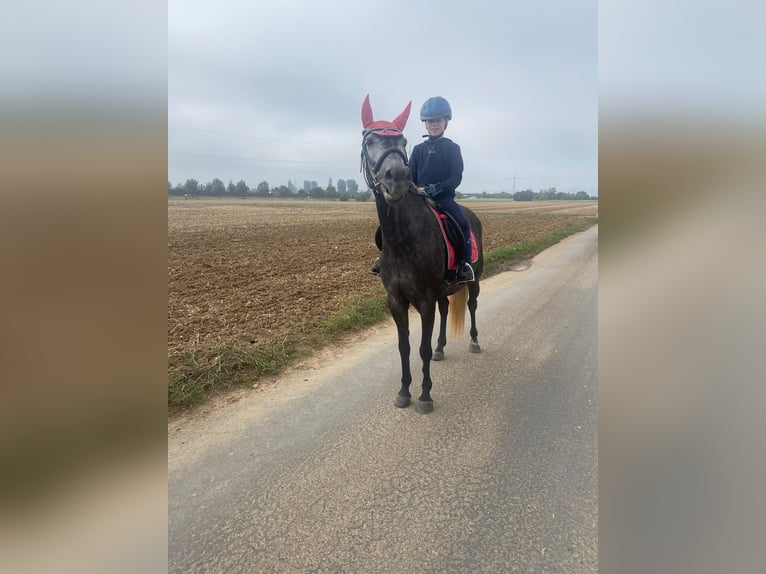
<point>413,258</point>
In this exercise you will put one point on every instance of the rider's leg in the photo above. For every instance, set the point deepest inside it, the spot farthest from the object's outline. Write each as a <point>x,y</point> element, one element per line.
<point>465,271</point>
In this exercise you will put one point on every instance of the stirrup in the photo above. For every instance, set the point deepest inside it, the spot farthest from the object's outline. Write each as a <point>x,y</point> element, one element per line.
<point>375,269</point>
<point>466,274</point>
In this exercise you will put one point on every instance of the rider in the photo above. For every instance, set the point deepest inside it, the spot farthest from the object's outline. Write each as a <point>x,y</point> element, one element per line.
<point>437,165</point>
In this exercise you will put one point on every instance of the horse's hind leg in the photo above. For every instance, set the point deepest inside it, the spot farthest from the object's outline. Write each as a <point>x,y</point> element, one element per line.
<point>442,340</point>
<point>473,296</point>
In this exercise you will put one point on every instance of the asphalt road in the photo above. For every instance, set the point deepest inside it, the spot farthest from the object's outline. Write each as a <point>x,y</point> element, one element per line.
<point>321,473</point>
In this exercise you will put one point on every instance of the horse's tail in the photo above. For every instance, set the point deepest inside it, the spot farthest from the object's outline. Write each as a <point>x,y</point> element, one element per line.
<point>457,303</point>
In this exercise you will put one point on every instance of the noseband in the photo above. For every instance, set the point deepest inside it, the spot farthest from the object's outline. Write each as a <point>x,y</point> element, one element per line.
<point>371,174</point>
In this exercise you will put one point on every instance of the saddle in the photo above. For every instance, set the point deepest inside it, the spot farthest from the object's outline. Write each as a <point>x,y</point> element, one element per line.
<point>454,242</point>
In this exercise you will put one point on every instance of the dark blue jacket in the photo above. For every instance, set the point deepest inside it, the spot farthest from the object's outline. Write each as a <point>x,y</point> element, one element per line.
<point>437,161</point>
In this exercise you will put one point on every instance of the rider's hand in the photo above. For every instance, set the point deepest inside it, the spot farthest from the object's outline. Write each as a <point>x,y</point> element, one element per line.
<point>431,190</point>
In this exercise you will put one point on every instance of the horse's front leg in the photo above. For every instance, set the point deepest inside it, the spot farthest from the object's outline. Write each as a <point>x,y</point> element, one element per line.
<point>442,340</point>
<point>427,313</point>
<point>399,311</point>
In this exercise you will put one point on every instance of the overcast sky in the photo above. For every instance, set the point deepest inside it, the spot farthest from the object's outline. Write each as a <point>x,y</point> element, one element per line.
<point>272,90</point>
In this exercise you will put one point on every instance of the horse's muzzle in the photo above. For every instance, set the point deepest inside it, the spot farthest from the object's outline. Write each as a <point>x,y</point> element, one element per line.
<point>395,183</point>
<point>395,192</point>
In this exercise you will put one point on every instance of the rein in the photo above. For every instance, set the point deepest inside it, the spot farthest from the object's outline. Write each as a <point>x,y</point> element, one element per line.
<point>370,174</point>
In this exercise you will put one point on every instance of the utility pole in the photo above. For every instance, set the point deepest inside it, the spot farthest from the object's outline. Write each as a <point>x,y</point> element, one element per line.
<point>514,178</point>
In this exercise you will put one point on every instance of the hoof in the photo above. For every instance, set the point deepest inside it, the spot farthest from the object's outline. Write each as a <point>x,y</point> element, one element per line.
<point>424,407</point>
<point>437,356</point>
<point>474,347</point>
<point>402,402</point>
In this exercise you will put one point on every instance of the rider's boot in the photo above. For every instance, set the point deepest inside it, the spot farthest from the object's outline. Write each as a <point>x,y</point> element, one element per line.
<point>466,274</point>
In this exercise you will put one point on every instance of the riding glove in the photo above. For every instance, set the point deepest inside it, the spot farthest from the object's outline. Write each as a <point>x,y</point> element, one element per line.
<point>431,190</point>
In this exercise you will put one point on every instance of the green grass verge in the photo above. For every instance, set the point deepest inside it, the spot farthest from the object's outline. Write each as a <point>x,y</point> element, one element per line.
<point>356,315</point>
<point>195,375</point>
<point>494,260</point>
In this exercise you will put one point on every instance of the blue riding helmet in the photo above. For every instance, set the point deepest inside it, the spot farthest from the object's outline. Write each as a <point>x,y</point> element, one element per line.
<point>436,107</point>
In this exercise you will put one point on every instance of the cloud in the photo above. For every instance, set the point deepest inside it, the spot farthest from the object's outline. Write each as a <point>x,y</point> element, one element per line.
<point>273,90</point>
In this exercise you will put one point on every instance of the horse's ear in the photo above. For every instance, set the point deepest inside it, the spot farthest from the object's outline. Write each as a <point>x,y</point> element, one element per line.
<point>366,112</point>
<point>401,120</point>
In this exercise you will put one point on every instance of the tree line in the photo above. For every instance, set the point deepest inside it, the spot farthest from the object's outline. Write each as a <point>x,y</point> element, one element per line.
<point>529,195</point>
<point>347,189</point>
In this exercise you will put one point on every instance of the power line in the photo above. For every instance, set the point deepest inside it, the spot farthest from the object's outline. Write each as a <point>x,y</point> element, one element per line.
<point>254,159</point>
<point>249,136</point>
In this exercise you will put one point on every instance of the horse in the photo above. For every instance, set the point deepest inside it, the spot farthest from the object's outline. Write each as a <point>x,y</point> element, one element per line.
<point>413,259</point>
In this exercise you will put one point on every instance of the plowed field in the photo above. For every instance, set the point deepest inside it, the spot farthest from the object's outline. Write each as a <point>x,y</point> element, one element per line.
<point>249,271</point>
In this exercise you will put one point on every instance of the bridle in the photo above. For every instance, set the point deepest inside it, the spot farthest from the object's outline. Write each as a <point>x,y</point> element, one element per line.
<point>371,174</point>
